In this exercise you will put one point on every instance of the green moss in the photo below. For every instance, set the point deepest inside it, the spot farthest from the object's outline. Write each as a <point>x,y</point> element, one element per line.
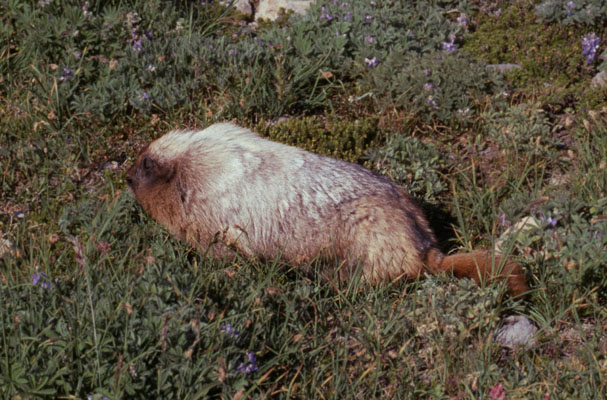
<point>330,136</point>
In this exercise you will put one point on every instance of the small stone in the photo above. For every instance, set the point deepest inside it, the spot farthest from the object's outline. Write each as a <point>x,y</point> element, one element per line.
<point>8,248</point>
<point>111,165</point>
<point>523,226</point>
<point>516,332</point>
<point>244,6</point>
<point>599,80</point>
<point>504,67</point>
<point>269,9</point>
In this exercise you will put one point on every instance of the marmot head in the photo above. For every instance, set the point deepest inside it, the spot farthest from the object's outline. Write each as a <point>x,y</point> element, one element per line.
<point>154,181</point>
<point>148,173</point>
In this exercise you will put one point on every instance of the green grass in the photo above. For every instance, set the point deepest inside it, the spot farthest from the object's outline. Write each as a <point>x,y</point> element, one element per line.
<point>98,300</point>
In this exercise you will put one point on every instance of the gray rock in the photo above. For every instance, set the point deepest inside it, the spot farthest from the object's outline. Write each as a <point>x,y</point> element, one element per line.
<point>516,332</point>
<point>504,67</point>
<point>599,80</point>
<point>520,229</point>
<point>244,6</point>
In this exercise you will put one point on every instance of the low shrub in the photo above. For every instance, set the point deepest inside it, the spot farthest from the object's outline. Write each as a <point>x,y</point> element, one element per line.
<point>416,165</point>
<point>331,136</point>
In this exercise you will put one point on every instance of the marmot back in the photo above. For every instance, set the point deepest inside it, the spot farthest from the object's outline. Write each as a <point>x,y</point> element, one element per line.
<point>225,189</point>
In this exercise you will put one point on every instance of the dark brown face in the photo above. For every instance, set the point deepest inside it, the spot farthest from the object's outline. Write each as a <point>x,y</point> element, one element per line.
<point>154,182</point>
<point>148,175</point>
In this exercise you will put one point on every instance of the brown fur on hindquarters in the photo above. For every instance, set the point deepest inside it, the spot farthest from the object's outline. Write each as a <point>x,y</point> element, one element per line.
<point>225,188</point>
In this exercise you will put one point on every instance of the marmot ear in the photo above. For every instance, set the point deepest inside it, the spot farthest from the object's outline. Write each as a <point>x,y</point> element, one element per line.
<point>147,163</point>
<point>169,172</point>
<point>156,172</point>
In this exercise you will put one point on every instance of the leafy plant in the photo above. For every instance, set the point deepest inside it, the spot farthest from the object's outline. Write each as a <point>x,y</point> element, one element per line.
<point>521,129</point>
<point>582,12</point>
<point>588,12</point>
<point>414,163</point>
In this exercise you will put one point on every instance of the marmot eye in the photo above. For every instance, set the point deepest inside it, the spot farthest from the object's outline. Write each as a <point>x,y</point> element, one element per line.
<point>147,163</point>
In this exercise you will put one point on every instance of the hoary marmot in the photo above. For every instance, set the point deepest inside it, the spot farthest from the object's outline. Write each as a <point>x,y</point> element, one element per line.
<point>226,189</point>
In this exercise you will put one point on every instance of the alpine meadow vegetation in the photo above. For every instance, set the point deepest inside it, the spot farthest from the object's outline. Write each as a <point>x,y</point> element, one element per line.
<point>488,112</point>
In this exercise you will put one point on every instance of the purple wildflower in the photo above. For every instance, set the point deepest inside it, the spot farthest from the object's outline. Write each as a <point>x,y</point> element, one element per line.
<point>590,44</point>
<point>85,10</point>
<point>371,62</point>
<point>250,367</point>
<point>552,221</point>
<point>368,18</point>
<point>145,96</point>
<point>449,46</point>
<point>462,20</point>
<point>369,39</point>
<point>40,278</point>
<point>570,8</point>
<point>229,330</point>
<point>431,102</point>
<point>348,16</point>
<point>66,74</point>
<point>325,14</point>
<point>428,86</point>
<point>137,46</point>
<point>232,52</point>
<point>427,73</point>
<point>502,220</point>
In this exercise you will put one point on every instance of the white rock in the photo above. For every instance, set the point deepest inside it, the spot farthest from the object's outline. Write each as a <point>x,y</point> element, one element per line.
<point>521,227</point>
<point>516,332</point>
<point>268,9</point>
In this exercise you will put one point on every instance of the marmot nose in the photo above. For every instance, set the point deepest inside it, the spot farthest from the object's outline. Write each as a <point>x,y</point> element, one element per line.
<point>129,181</point>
